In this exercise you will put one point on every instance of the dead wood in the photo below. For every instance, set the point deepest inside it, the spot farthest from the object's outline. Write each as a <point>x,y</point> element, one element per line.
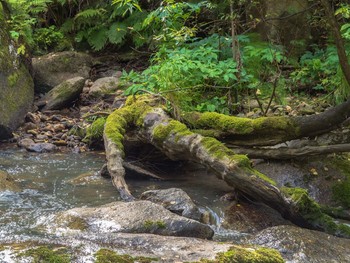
<point>177,142</point>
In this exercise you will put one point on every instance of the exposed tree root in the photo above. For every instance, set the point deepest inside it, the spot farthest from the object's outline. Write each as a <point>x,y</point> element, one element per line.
<point>176,141</point>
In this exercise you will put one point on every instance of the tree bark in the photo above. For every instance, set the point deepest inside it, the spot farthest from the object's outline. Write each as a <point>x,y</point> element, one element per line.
<point>176,141</point>
<point>267,130</point>
<point>285,153</point>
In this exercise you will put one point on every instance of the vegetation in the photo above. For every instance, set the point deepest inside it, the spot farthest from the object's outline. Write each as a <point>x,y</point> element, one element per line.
<point>206,59</point>
<point>109,256</point>
<point>46,254</point>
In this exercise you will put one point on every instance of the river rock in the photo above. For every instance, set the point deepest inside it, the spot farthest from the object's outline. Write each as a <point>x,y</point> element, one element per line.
<point>54,68</point>
<point>16,84</point>
<point>104,85</point>
<point>300,245</point>
<point>7,183</point>
<point>43,147</point>
<point>130,217</point>
<point>63,94</point>
<point>82,248</point>
<point>175,200</point>
<point>25,143</point>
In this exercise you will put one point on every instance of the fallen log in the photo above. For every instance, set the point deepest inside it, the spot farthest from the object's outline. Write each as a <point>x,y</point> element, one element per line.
<point>266,130</point>
<point>285,153</point>
<point>177,142</point>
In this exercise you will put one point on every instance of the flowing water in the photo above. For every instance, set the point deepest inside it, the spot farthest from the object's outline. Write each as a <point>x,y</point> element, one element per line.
<point>46,183</point>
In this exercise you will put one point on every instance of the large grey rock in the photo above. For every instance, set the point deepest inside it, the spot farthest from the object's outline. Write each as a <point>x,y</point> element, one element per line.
<point>54,68</point>
<point>129,217</point>
<point>300,245</point>
<point>175,200</point>
<point>103,86</point>
<point>31,146</point>
<point>163,249</point>
<point>16,84</point>
<point>64,94</point>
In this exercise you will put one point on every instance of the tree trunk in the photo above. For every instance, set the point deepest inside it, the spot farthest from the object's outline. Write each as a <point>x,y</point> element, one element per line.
<point>268,130</point>
<point>176,141</point>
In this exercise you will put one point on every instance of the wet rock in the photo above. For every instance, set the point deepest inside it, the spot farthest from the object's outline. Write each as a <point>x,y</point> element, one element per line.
<point>7,183</point>
<point>103,86</point>
<point>25,143</point>
<point>31,117</point>
<point>29,126</point>
<point>54,68</point>
<point>42,147</point>
<point>131,217</point>
<point>251,218</point>
<point>175,200</point>
<point>160,248</point>
<point>300,245</point>
<point>64,94</point>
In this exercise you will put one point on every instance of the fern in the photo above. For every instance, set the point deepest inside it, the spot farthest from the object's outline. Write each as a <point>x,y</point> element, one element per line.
<point>89,17</point>
<point>117,33</point>
<point>98,38</point>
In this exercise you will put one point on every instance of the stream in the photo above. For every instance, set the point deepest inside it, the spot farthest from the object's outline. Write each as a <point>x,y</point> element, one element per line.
<point>47,183</point>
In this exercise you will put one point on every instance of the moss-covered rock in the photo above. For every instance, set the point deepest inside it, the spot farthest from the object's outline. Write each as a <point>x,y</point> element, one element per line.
<point>109,256</point>
<point>16,84</point>
<point>64,94</point>
<point>46,254</point>
<point>239,254</point>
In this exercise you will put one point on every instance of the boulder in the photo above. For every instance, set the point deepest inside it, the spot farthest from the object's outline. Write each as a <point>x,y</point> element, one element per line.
<point>54,68</point>
<point>103,86</point>
<point>130,217</point>
<point>64,94</point>
<point>31,146</point>
<point>43,147</point>
<point>175,200</point>
<point>7,183</point>
<point>300,245</point>
<point>83,248</point>
<point>16,84</point>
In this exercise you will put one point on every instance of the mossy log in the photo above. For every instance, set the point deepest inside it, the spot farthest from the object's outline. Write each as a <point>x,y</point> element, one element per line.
<point>177,142</point>
<point>266,130</point>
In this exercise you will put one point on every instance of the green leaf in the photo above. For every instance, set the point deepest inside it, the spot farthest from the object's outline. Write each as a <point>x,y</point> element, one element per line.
<point>117,33</point>
<point>97,38</point>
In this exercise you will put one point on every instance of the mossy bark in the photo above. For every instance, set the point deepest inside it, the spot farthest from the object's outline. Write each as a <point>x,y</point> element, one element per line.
<point>176,141</point>
<point>267,130</point>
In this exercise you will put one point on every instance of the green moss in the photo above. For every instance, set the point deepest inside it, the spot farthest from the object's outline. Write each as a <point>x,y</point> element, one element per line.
<point>264,177</point>
<point>217,148</point>
<point>13,79</point>
<point>94,132</point>
<point>109,256</point>
<point>115,128</point>
<point>248,255</point>
<point>162,131</point>
<point>149,224</point>
<point>242,126</point>
<point>312,212</point>
<point>46,254</point>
